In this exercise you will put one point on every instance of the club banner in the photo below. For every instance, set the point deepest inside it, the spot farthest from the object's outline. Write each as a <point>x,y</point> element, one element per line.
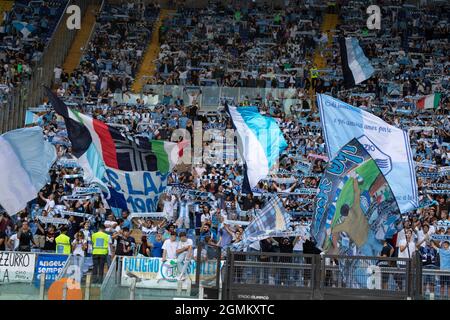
<point>136,191</point>
<point>76,198</point>
<point>355,208</point>
<point>443,224</point>
<point>430,175</point>
<point>54,221</point>
<point>152,215</point>
<point>236,222</point>
<point>72,176</point>
<point>75,214</point>
<point>438,191</point>
<point>440,185</point>
<point>154,273</point>
<point>318,156</point>
<point>425,165</point>
<point>49,265</point>
<point>86,190</point>
<point>440,237</point>
<point>388,145</point>
<point>68,163</point>
<point>16,267</point>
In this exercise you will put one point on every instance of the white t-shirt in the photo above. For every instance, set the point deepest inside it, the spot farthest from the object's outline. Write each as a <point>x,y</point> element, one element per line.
<point>50,204</point>
<point>58,72</point>
<point>15,241</point>
<point>87,236</point>
<point>400,237</point>
<point>185,244</point>
<point>79,247</point>
<point>110,225</point>
<point>204,217</point>
<point>303,236</point>
<point>405,253</point>
<point>169,206</point>
<point>171,248</point>
<point>146,230</point>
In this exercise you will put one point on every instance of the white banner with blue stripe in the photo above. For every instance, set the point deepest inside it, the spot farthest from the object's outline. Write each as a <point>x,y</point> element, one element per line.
<point>262,142</point>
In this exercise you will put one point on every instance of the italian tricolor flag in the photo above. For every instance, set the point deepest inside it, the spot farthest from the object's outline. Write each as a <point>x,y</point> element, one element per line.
<point>429,102</point>
<point>97,144</point>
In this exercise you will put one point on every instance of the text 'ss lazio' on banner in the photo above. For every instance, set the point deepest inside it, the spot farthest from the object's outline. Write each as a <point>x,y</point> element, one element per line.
<point>387,145</point>
<point>137,191</point>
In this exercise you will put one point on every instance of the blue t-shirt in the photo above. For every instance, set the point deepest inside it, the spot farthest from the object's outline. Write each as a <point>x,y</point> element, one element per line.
<point>445,259</point>
<point>157,249</point>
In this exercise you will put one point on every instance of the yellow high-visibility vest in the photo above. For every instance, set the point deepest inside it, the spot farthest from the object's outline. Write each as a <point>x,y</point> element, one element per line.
<point>62,244</point>
<point>314,73</point>
<point>100,243</point>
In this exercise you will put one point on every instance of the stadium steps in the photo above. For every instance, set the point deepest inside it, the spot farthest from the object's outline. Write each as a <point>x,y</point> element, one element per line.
<point>148,67</point>
<point>329,24</point>
<point>5,6</point>
<point>81,39</point>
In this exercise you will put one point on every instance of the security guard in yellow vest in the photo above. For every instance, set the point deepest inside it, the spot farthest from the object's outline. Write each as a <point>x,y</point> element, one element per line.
<point>314,75</point>
<point>100,243</point>
<point>63,242</point>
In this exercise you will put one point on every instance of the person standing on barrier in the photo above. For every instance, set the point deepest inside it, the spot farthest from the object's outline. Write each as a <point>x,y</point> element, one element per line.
<point>444,259</point>
<point>100,243</point>
<point>63,242</point>
<point>184,254</point>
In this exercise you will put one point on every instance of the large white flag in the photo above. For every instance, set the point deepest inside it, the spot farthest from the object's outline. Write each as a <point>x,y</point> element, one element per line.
<point>388,145</point>
<point>25,159</point>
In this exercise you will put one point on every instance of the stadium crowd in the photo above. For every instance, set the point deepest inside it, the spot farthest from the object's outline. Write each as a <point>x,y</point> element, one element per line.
<point>23,35</point>
<point>260,48</point>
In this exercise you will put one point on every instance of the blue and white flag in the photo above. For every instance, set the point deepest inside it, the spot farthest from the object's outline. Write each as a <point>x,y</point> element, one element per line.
<point>387,145</point>
<point>272,221</point>
<point>356,68</point>
<point>25,28</point>
<point>273,217</point>
<point>25,159</point>
<point>262,143</point>
<point>33,118</point>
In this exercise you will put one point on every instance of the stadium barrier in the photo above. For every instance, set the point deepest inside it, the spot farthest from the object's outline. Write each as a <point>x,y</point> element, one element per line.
<point>305,276</point>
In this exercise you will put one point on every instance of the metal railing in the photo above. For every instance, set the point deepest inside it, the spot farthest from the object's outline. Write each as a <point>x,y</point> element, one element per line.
<point>147,278</point>
<point>29,281</point>
<point>435,284</point>
<point>303,276</point>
